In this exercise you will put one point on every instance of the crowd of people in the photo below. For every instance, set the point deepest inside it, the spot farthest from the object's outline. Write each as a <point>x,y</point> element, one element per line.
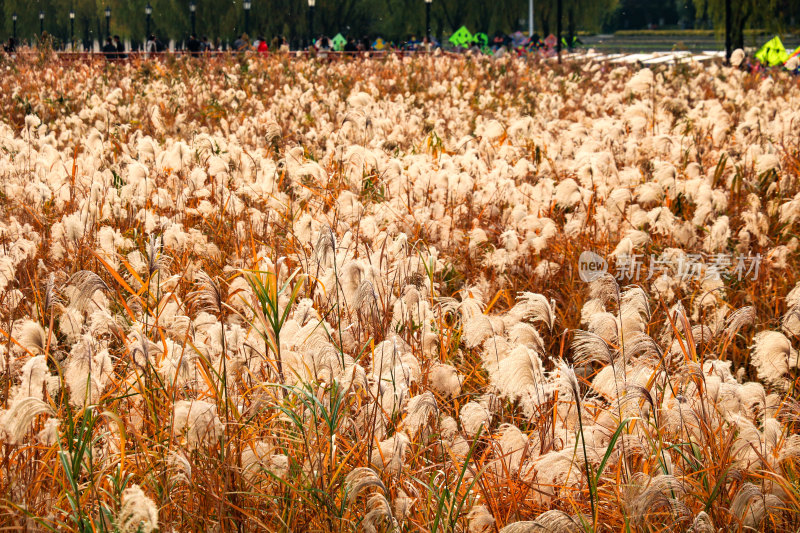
<point>114,48</point>
<point>11,46</point>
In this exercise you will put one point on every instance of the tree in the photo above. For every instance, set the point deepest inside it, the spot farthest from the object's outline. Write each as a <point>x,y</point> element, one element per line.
<point>734,16</point>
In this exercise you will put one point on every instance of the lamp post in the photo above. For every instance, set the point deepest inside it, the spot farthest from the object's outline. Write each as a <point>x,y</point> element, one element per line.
<point>14,20</point>
<point>247,16</point>
<point>72,30</point>
<point>530,19</point>
<point>148,11</point>
<point>428,19</point>
<point>41,22</point>
<point>558,29</point>
<point>108,21</point>
<point>728,26</point>
<point>193,14</point>
<point>311,4</point>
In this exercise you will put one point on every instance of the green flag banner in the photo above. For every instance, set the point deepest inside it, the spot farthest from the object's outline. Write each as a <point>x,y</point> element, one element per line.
<point>338,42</point>
<point>462,37</point>
<point>772,53</point>
<point>482,40</point>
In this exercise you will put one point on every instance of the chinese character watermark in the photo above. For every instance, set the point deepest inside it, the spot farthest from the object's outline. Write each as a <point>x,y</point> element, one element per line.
<point>630,267</point>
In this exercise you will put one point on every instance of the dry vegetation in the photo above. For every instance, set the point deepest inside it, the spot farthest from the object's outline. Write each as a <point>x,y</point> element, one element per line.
<point>271,294</point>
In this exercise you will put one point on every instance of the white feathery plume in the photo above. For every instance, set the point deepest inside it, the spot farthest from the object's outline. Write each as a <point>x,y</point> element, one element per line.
<point>635,299</point>
<point>718,235</point>
<point>34,378</point>
<point>752,506</point>
<point>390,453</point>
<point>534,307</point>
<point>702,523</point>
<point>402,505</point>
<point>737,58</point>
<point>567,383</point>
<point>477,329</point>
<point>604,288</point>
<point>33,337</point>
<point>590,308</point>
<point>568,193</point>
<point>740,318</point>
<point>553,469</point>
<point>480,519</point>
<point>200,421</point>
<point>49,433</point>
<point>360,479</point>
<point>138,513</point>
<point>88,370</point>
<point>512,443</point>
<point>588,347</point>
<point>519,372</point>
<point>653,497</point>
<point>261,455</point>
<point>17,419</point>
<point>474,416</point>
<point>767,162</point>
<point>553,521</point>
<point>642,81</point>
<point>325,246</point>
<point>772,355</point>
<point>523,333</point>
<point>445,380</point>
<point>419,411</point>
<point>604,325</point>
<point>380,511</point>
<point>86,283</point>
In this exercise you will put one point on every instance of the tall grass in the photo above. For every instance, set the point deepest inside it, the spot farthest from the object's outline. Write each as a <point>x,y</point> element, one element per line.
<point>352,301</point>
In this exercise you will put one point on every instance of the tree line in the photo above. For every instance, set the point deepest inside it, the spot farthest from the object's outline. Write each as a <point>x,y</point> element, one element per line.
<point>391,19</point>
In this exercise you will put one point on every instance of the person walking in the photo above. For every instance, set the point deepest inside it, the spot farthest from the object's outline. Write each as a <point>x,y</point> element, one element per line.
<point>11,46</point>
<point>193,45</point>
<point>263,47</point>
<point>153,45</point>
<point>120,48</point>
<point>109,50</point>
<point>242,43</point>
<point>426,45</point>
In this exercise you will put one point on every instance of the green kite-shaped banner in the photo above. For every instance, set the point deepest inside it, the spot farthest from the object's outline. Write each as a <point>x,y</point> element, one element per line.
<point>481,39</point>
<point>772,53</point>
<point>462,37</point>
<point>339,42</point>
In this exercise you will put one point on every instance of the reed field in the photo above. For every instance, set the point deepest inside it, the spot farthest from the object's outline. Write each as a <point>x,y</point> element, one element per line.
<point>432,293</point>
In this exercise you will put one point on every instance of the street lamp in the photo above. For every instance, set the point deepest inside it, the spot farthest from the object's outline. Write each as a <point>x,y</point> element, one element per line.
<point>72,29</point>
<point>530,19</point>
<point>148,11</point>
<point>192,11</point>
<point>311,4</point>
<point>428,19</point>
<point>558,29</point>
<point>246,15</point>
<point>14,20</point>
<point>108,21</point>
<point>41,22</point>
